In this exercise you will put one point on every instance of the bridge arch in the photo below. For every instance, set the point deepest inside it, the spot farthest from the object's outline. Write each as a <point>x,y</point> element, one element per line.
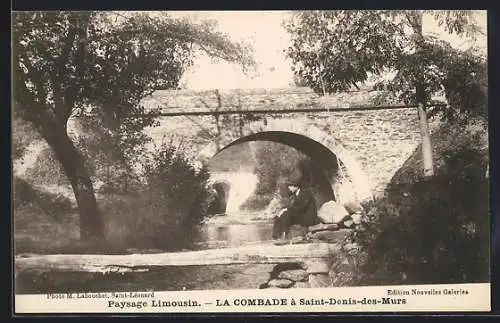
<point>315,143</point>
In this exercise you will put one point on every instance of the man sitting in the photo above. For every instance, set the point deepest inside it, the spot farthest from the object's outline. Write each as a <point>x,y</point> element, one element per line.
<point>301,211</point>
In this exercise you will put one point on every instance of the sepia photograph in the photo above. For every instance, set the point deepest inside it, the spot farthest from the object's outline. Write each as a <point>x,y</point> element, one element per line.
<point>241,161</point>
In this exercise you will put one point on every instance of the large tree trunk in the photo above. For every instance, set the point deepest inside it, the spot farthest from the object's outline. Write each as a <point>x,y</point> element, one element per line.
<point>426,141</point>
<point>91,222</point>
<point>421,99</point>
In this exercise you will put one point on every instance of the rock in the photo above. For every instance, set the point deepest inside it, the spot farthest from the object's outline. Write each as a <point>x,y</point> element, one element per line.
<point>285,267</point>
<point>295,275</point>
<point>317,267</point>
<point>320,280</point>
<point>327,235</point>
<point>348,223</point>
<point>263,286</point>
<point>353,207</point>
<point>323,227</point>
<point>351,246</point>
<point>280,283</point>
<point>357,218</point>
<point>332,212</point>
<point>297,231</point>
<point>301,285</point>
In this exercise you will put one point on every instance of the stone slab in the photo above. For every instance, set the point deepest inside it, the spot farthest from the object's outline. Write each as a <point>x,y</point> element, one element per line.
<point>319,280</point>
<point>295,275</point>
<point>280,283</point>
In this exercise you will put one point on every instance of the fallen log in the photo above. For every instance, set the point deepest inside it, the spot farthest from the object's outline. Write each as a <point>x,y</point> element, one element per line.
<point>253,254</point>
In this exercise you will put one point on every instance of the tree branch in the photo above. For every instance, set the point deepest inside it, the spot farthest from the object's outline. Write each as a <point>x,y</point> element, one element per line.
<point>206,131</point>
<point>59,71</point>
<point>72,91</point>
<point>36,79</point>
<point>208,106</point>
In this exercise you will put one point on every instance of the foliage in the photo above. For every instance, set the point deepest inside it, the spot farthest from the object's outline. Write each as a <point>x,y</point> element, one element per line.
<point>173,201</point>
<point>335,50</point>
<point>275,162</point>
<point>275,165</point>
<point>112,153</point>
<point>103,64</point>
<point>106,60</point>
<point>434,230</point>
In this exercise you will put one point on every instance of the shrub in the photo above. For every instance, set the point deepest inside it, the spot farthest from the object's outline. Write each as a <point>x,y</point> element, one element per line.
<point>434,230</point>
<point>110,154</point>
<point>170,208</point>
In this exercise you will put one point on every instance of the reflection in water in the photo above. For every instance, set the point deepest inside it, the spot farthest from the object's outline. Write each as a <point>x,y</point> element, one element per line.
<point>233,235</point>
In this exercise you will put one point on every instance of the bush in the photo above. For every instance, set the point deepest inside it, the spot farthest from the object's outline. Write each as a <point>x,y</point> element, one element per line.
<point>110,155</point>
<point>431,231</point>
<point>170,208</point>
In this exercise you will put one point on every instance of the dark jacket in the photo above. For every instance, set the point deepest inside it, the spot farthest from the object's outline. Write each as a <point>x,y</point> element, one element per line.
<point>302,208</point>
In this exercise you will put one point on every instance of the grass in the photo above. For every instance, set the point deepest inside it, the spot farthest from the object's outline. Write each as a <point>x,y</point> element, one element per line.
<point>37,231</point>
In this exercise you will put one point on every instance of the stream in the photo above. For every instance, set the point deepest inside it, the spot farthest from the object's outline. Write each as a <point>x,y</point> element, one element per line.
<point>224,232</point>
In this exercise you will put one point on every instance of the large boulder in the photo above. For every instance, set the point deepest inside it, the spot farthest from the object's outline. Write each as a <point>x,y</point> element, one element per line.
<point>332,212</point>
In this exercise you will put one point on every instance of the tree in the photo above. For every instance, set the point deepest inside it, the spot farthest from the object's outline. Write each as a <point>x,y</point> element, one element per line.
<point>335,50</point>
<point>103,63</point>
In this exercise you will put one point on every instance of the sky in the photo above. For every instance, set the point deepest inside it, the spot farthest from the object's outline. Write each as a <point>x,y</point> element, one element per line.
<point>264,29</point>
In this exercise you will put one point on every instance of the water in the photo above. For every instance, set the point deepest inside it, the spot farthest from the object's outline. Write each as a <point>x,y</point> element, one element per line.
<point>243,185</point>
<point>216,235</point>
<point>223,232</point>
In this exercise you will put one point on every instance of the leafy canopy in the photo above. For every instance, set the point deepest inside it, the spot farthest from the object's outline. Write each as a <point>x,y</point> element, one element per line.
<point>68,61</point>
<point>332,51</point>
<point>103,64</point>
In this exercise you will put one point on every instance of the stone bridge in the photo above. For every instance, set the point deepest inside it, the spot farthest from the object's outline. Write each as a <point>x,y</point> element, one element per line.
<point>339,133</point>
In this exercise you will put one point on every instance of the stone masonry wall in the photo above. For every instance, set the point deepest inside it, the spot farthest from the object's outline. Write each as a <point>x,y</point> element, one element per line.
<point>380,140</point>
